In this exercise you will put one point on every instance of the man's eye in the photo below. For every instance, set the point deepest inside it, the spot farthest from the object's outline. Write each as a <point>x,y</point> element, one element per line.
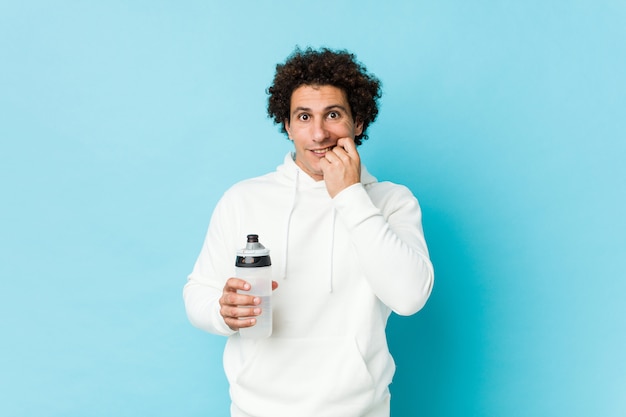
<point>304,117</point>
<point>333,115</point>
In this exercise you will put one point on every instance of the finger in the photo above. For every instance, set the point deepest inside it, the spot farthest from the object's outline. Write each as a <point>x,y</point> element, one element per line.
<point>233,284</point>
<point>238,317</point>
<point>339,154</point>
<point>347,144</point>
<point>336,155</point>
<point>238,299</point>
<point>325,163</point>
<point>330,157</point>
<point>236,323</point>
<point>239,312</point>
<point>274,285</point>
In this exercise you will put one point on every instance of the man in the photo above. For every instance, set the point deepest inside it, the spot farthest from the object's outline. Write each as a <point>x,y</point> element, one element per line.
<point>346,251</point>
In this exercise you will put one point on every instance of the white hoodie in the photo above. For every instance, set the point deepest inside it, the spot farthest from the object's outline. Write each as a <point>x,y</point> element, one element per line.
<point>342,264</point>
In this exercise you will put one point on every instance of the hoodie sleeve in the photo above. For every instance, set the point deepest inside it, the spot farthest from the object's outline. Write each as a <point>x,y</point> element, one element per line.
<point>386,230</point>
<point>212,268</point>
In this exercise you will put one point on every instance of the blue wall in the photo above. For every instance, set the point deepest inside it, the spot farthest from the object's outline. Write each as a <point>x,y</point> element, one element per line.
<point>121,124</point>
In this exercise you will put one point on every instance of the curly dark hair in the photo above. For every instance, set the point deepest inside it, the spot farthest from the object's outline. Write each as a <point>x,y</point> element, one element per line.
<point>325,67</point>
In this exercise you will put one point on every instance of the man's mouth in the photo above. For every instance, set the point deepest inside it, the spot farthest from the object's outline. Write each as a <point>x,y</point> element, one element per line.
<point>321,152</point>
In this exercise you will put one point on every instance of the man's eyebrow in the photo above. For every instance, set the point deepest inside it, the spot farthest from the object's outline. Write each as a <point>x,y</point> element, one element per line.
<point>300,108</point>
<point>336,106</point>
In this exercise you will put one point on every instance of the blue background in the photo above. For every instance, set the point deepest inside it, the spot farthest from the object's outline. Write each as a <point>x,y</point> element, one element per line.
<point>122,122</point>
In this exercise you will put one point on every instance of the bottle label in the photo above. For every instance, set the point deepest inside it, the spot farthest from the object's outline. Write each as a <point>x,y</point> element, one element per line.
<point>252,261</point>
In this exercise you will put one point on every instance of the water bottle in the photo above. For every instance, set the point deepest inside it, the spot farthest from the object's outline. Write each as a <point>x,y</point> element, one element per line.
<point>253,264</point>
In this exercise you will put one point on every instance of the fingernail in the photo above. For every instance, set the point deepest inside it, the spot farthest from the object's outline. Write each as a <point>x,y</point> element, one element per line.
<point>257,311</point>
<point>257,300</point>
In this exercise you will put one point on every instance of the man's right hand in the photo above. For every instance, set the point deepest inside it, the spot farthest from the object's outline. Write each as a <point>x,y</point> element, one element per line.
<point>239,310</point>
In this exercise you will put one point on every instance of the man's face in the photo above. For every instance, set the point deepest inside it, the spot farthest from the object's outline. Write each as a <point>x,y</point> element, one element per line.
<point>320,115</point>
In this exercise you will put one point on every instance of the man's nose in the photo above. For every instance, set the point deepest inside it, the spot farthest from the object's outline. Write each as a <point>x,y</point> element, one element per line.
<point>320,133</point>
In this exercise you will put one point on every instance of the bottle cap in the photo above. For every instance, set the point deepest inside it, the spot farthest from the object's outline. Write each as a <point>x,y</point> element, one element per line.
<point>253,255</point>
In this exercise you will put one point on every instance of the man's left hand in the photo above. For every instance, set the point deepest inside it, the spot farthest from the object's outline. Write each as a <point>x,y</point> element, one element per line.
<point>341,166</point>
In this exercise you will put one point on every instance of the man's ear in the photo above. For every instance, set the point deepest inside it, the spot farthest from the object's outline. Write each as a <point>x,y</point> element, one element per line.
<point>358,127</point>
<point>286,124</point>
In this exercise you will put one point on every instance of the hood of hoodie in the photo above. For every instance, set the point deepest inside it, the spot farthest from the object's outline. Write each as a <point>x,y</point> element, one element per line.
<point>290,173</point>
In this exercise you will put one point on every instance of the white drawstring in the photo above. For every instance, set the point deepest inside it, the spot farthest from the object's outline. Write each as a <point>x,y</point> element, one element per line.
<point>293,205</point>
<point>332,250</point>
<point>288,226</point>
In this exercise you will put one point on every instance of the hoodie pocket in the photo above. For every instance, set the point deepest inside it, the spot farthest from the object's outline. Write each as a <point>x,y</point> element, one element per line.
<point>288,375</point>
